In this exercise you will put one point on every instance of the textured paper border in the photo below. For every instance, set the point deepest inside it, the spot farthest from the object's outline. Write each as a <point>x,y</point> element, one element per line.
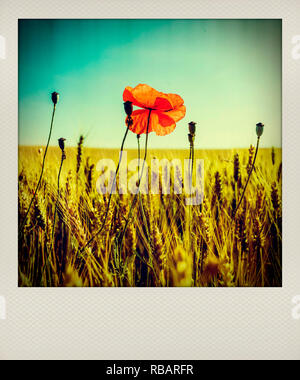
<point>149,323</point>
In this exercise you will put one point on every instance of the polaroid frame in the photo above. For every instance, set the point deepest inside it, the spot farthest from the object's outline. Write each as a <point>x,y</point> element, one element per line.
<point>149,323</point>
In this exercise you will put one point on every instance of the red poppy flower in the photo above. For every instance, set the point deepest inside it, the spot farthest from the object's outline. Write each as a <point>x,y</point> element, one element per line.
<point>166,110</point>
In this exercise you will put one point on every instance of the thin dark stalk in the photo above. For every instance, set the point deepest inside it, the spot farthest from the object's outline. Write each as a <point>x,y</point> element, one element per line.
<point>41,175</point>
<point>190,171</point>
<point>242,197</point>
<point>58,193</point>
<point>139,154</point>
<point>55,211</point>
<point>110,195</point>
<point>139,183</point>
<point>192,168</point>
<point>193,160</point>
<point>140,198</point>
<point>193,157</point>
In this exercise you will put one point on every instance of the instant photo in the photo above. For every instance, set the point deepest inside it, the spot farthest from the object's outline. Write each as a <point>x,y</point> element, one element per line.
<point>150,153</point>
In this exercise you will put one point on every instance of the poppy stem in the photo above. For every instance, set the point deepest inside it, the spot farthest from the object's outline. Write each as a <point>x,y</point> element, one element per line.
<point>110,195</point>
<point>139,183</point>
<point>42,171</point>
<point>193,160</point>
<point>191,219</point>
<point>190,157</point>
<point>139,154</point>
<point>58,193</point>
<point>242,197</point>
<point>55,211</point>
<point>140,198</point>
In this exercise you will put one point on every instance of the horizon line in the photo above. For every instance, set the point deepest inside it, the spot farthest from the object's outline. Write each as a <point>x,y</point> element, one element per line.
<point>152,148</point>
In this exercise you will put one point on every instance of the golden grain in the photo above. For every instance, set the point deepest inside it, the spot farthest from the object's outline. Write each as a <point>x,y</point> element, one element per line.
<point>213,251</point>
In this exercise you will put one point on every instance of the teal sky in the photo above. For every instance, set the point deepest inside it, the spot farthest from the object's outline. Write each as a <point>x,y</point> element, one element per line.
<point>227,71</point>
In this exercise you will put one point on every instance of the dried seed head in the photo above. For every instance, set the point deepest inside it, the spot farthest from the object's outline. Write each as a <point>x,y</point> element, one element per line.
<point>128,108</point>
<point>61,143</point>
<point>79,153</point>
<point>236,171</point>
<point>129,121</point>
<point>273,156</point>
<point>259,129</point>
<point>275,197</point>
<point>192,128</point>
<point>250,159</point>
<point>218,187</point>
<point>55,97</point>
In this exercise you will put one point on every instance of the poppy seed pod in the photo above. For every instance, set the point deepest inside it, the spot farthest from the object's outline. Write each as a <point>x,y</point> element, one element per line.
<point>259,129</point>
<point>129,121</point>
<point>61,143</point>
<point>55,97</point>
<point>128,108</point>
<point>192,128</point>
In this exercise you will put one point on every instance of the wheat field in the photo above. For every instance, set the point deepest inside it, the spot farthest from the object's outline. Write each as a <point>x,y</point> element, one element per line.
<point>166,243</point>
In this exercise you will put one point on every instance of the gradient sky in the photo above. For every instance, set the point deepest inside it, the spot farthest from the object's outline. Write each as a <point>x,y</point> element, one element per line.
<point>227,71</point>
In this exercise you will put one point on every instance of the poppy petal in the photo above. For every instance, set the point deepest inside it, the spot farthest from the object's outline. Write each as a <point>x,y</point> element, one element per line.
<point>140,120</point>
<point>175,100</point>
<point>162,104</point>
<point>162,124</point>
<point>147,97</point>
<point>142,95</point>
<point>177,114</point>
<point>128,97</point>
<point>164,131</point>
